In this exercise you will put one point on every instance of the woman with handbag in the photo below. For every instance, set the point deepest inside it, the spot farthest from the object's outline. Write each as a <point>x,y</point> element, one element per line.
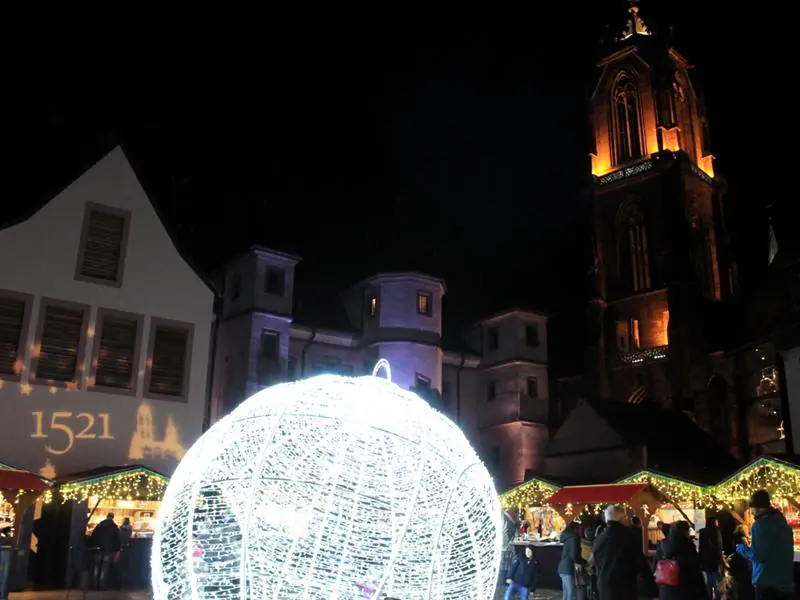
<point>677,571</point>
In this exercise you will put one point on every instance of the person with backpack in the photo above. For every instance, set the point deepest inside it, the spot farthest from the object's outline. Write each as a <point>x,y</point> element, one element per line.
<point>678,573</point>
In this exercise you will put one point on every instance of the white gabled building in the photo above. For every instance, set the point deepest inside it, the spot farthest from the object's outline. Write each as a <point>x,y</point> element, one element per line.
<point>105,332</point>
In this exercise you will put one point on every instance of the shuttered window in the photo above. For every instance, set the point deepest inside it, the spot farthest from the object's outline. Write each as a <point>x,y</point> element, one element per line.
<point>12,320</point>
<point>60,344</point>
<point>102,245</point>
<point>116,355</point>
<point>170,350</point>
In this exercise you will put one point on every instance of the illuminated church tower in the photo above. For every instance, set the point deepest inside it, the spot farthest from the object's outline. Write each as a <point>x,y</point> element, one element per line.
<point>662,260</point>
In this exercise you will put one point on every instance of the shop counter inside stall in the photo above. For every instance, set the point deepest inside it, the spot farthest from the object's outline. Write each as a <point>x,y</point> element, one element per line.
<point>133,496</point>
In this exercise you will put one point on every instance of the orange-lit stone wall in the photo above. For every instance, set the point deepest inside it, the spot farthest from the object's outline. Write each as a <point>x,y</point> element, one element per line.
<point>684,132</point>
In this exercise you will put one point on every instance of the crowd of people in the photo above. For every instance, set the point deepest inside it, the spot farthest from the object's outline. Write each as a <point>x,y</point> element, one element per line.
<point>607,562</point>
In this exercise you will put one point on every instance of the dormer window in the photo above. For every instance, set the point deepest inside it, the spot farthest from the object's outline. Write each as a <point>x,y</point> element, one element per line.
<point>424,304</point>
<point>275,283</point>
<point>372,306</point>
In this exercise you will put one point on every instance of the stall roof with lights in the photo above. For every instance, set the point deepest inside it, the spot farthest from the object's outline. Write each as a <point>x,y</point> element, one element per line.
<point>120,483</point>
<point>613,493</point>
<point>780,476</point>
<point>674,489</point>
<point>16,479</point>
<point>534,492</point>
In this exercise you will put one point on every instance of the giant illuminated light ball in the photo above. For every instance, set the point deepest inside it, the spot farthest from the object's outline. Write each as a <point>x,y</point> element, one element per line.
<point>330,488</point>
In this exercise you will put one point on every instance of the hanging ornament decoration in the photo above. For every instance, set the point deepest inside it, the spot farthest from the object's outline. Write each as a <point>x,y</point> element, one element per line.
<point>330,487</point>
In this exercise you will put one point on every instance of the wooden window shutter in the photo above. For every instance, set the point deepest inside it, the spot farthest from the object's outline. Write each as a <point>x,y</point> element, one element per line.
<point>60,344</point>
<point>102,246</point>
<point>169,361</point>
<point>116,356</point>
<point>12,319</point>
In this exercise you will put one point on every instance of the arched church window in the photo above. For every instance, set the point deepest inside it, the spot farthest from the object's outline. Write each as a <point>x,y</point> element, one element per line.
<point>634,257</point>
<point>626,123</point>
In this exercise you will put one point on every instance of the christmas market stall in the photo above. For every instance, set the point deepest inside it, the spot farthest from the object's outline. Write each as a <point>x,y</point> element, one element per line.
<point>587,502</point>
<point>779,476</point>
<point>683,501</point>
<point>19,491</point>
<point>536,521</point>
<point>133,495</point>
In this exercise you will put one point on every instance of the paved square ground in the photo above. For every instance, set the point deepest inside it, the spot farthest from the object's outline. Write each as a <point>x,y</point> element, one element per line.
<point>145,595</point>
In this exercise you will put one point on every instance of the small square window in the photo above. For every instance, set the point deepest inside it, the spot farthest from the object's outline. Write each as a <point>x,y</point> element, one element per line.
<point>61,340</point>
<point>275,282</point>
<point>533,387</point>
<point>424,304</point>
<point>115,357</point>
<point>493,338</point>
<point>422,382</point>
<point>532,336</point>
<point>372,306</point>
<point>491,391</point>
<point>14,320</point>
<point>101,256</point>
<point>270,344</point>
<point>170,353</point>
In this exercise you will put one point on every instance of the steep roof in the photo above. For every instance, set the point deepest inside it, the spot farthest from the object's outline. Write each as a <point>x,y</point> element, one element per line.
<point>29,209</point>
<point>674,443</point>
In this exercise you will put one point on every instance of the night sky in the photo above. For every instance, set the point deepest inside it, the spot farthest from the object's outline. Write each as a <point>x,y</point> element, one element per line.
<point>379,140</point>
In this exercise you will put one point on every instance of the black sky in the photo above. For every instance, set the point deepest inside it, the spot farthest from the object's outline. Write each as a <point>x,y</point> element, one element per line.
<point>453,143</point>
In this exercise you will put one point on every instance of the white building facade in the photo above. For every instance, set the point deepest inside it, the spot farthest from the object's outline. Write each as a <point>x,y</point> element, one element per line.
<point>496,388</point>
<point>105,332</point>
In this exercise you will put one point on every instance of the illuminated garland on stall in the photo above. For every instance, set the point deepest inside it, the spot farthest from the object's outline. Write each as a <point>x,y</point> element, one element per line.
<point>330,487</point>
<point>138,484</point>
<point>780,479</point>
<point>535,492</point>
<point>676,490</point>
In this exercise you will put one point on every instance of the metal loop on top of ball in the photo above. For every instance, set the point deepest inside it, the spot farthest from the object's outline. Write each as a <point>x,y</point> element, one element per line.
<point>382,364</point>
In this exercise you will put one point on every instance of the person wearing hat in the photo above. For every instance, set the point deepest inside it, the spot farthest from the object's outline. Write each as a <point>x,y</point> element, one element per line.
<point>771,550</point>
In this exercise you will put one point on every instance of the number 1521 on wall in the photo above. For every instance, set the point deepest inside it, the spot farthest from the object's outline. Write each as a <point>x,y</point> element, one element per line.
<point>71,427</point>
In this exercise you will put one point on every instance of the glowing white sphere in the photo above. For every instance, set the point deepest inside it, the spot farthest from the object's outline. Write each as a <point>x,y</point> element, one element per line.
<point>329,488</point>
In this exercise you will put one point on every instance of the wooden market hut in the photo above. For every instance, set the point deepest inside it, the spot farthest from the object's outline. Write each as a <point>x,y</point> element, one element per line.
<point>687,498</point>
<point>779,475</point>
<point>131,491</point>
<point>640,498</point>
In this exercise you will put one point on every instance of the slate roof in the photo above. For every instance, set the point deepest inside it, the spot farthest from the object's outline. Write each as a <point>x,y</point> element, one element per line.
<point>675,444</point>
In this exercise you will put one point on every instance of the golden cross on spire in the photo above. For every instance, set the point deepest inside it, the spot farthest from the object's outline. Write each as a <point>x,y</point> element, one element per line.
<point>635,24</point>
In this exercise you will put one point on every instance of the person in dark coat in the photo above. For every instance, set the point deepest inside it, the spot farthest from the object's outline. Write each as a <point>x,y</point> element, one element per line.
<point>522,575</point>
<point>570,556</point>
<point>618,560</point>
<point>711,555</point>
<point>771,550</point>
<point>680,548</point>
<point>105,537</point>
<point>740,570</point>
